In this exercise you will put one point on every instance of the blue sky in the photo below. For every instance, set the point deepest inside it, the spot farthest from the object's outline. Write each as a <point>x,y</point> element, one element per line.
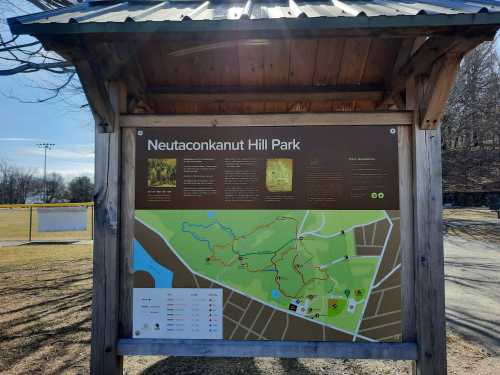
<point>26,124</point>
<point>61,121</point>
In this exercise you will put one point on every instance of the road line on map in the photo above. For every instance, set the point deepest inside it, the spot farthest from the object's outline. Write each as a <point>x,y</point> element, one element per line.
<point>286,327</point>
<point>373,234</point>
<point>387,289</point>
<point>389,233</point>
<point>257,316</point>
<point>350,229</point>
<point>274,308</point>
<point>383,314</point>
<point>321,226</point>
<point>303,221</point>
<point>228,298</point>
<point>388,337</point>
<point>238,325</point>
<point>267,323</point>
<point>387,276</point>
<point>381,326</point>
<point>236,306</point>
<point>398,254</point>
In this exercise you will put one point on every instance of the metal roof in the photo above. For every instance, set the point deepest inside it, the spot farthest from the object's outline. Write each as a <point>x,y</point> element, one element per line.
<point>136,16</point>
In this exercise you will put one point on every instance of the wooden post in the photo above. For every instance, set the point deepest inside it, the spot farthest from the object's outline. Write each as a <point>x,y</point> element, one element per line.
<point>127,228</point>
<point>428,248</point>
<point>106,282</point>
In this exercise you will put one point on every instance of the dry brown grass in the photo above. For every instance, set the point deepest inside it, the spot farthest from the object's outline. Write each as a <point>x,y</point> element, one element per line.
<point>15,223</point>
<point>472,213</point>
<point>45,298</point>
<point>478,224</point>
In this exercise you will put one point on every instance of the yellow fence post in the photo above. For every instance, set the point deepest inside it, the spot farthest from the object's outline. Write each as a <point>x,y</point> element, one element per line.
<point>31,221</point>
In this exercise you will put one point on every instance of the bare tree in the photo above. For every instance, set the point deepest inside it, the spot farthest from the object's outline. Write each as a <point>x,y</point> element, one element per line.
<point>16,184</point>
<point>471,122</point>
<point>56,189</point>
<point>25,55</point>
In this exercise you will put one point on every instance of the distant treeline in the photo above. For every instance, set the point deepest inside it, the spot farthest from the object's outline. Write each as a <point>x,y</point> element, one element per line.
<point>471,125</point>
<point>19,185</point>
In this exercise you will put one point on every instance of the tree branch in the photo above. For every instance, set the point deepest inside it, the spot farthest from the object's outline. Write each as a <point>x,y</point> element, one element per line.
<point>30,67</point>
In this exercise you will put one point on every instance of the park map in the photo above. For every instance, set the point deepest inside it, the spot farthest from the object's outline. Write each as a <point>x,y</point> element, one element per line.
<point>336,270</point>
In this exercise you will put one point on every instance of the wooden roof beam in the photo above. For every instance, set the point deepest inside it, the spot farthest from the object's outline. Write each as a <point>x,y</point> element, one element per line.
<point>98,96</point>
<point>438,86</point>
<point>277,93</point>
<point>422,60</point>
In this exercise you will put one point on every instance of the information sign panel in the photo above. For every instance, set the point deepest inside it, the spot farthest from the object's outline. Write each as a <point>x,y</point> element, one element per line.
<point>281,233</point>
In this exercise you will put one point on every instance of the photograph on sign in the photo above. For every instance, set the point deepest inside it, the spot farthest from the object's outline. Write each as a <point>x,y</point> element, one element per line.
<point>284,233</point>
<point>62,219</point>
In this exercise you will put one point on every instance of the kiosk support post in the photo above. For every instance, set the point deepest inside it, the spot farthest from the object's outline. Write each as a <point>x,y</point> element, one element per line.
<point>106,279</point>
<point>428,247</point>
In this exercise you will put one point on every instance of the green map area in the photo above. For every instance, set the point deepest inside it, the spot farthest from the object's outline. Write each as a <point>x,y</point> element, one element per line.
<point>302,262</point>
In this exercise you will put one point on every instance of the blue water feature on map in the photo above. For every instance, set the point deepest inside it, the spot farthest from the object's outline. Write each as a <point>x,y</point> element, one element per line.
<point>211,214</point>
<point>144,262</point>
<point>275,294</point>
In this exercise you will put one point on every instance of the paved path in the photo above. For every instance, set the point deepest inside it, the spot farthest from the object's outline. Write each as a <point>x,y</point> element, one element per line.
<point>472,274</point>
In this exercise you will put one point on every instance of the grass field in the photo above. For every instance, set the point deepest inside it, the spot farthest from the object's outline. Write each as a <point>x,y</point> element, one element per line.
<point>45,309</point>
<point>15,224</point>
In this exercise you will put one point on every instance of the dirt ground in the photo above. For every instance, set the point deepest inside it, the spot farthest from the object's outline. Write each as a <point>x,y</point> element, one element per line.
<point>45,297</point>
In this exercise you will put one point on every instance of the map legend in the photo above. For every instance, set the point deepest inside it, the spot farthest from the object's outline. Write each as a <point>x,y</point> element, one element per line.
<point>178,313</point>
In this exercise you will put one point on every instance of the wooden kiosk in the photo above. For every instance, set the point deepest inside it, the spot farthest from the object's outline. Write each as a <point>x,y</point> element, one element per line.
<point>228,64</point>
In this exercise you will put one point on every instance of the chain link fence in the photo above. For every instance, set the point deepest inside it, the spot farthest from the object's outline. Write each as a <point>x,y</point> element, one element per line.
<point>23,222</point>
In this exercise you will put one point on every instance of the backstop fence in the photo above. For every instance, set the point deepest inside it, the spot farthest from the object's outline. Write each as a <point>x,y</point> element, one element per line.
<point>47,222</point>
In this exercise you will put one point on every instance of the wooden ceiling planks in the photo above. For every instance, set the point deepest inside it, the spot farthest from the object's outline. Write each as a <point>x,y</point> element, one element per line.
<point>381,58</point>
<point>302,65</point>
<point>267,63</point>
<point>276,70</point>
<point>326,71</point>
<point>354,60</point>
<point>228,58</point>
<point>251,61</point>
<point>328,60</point>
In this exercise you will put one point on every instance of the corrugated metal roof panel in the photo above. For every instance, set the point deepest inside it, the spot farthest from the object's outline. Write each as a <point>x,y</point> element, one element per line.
<point>104,12</point>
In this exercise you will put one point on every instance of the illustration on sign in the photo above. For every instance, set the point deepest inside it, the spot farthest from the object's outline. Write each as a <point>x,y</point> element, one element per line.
<point>267,233</point>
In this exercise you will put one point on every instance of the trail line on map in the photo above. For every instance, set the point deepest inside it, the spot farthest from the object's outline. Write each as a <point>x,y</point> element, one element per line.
<point>273,307</point>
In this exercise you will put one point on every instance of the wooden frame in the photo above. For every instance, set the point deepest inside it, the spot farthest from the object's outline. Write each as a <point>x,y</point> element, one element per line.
<point>420,238</point>
<point>284,349</point>
<point>407,350</point>
<point>285,119</point>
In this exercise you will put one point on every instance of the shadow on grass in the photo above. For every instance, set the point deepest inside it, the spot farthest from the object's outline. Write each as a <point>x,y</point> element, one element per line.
<point>478,230</point>
<point>200,365</point>
<point>45,317</point>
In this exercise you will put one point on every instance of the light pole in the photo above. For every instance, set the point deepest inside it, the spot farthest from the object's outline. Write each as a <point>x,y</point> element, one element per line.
<point>45,146</point>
